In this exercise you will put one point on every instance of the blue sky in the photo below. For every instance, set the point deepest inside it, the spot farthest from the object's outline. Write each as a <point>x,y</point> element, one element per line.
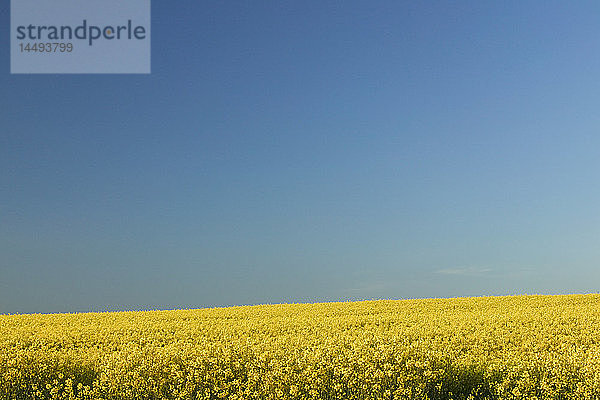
<point>309,151</point>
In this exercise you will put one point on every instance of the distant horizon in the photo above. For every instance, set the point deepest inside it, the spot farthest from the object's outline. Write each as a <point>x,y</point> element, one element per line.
<point>308,303</point>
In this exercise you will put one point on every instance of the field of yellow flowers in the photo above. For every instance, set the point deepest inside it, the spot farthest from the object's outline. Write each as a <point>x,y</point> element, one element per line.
<point>520,347</point>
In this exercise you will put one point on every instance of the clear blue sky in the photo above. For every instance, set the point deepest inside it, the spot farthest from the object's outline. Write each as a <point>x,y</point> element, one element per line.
<point>309,151</point>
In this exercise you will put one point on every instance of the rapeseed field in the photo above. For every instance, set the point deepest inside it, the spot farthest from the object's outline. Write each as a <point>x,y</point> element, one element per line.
<point>517,347</point>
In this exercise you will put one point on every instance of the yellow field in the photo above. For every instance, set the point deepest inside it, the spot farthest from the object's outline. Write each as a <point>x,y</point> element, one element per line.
<point>522,347</point>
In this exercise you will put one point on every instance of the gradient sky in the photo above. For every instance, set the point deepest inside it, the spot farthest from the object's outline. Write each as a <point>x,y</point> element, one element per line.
<point>309,151</point>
